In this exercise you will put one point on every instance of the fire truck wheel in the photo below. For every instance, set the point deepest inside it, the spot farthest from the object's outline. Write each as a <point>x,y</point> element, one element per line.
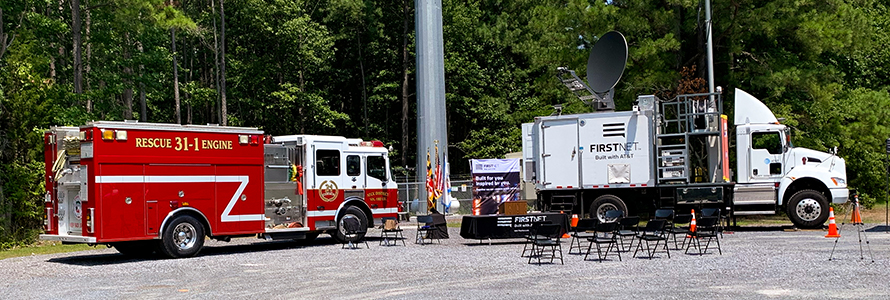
<point>605,203</point>
<point>183,237</point>
<point>351,212</point>
<point>808,209</point>
<point>136,249</point>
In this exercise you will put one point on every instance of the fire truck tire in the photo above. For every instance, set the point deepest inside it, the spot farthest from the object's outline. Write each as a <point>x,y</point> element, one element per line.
<point>183,237</point>
<point>136,249</point>
<point>351,212</point>
<point>808,209</point>
<point>605,203</point>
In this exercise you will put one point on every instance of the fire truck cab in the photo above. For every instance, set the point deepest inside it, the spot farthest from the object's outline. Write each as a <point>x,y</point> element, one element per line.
<point>145,187</point>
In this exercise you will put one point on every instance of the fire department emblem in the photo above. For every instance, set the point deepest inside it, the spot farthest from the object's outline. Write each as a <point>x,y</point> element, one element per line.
<point>77,207</point>
<point>328,191</point>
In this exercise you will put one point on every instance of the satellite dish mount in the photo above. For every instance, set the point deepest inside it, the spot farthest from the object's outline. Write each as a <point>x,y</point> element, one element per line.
<point>605,65</point>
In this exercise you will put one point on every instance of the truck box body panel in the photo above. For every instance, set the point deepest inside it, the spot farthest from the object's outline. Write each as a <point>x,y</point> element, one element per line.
<point>136,181</point>
<point>617,149</point>
<point>593,150</point>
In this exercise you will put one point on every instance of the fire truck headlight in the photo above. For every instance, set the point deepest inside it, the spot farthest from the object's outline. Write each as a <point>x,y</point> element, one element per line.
<point>121,135</point>
<point>243,139</point>
<point>107,134</point>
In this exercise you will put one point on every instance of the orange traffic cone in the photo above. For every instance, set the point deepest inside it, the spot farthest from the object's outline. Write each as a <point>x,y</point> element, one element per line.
<point>832,226</point>
<point>857,217</point>
<point>574,220</point>
<point>691,224</point>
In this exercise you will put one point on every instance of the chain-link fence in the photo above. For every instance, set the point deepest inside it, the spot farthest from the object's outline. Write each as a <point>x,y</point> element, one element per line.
<point>461,191</point>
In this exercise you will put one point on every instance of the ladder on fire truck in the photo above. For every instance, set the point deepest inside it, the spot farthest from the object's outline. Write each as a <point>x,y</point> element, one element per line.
<point>681,119</point>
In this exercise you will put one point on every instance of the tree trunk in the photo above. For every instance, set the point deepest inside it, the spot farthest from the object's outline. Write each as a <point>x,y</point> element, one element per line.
<point>128,79</point>
<point>223,119</point>
<point>89,53</point>
<point>361,64</point>
<point>143,108</point>
<point>3,43</point>
<point>216,108</point>
<point>76,39</point>
<point>405,107</point>
<point>175,76</point>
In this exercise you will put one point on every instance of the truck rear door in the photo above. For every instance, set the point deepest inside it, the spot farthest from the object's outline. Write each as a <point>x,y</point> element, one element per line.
<point>559,153</point>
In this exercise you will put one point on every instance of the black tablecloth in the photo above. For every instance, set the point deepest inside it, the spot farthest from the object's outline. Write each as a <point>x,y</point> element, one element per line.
<point>506,227</point>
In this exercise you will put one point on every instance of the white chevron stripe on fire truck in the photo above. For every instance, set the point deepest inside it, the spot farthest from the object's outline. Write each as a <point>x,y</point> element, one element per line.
<point>226,215</point>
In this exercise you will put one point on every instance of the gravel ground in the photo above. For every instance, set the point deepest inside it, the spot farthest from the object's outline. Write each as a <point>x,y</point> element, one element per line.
<point>769,263</point>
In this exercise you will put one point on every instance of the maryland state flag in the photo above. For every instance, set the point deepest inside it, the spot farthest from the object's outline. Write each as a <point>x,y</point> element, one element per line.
<point>430,183</point>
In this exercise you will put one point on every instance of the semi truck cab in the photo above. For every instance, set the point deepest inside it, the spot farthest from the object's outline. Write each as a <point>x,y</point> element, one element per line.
<point>772,173</point>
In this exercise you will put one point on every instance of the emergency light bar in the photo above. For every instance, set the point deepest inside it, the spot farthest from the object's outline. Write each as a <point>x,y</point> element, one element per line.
<point>374,143</point>
<point>109,135</point>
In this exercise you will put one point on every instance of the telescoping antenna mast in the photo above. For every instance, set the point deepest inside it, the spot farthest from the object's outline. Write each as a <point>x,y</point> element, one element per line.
<point>605,65</point>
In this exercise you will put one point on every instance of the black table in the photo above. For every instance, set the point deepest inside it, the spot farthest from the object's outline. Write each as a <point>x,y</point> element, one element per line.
<point>507,227</point>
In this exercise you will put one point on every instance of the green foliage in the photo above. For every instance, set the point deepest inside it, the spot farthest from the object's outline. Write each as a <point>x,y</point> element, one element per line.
<point>21,214</point>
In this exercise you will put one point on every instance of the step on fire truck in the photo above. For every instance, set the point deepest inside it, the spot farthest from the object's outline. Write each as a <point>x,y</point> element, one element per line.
<point>144,187</point>
<point>672,153</point>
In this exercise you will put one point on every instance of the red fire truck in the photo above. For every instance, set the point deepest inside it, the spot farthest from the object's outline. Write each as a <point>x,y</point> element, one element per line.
<point>144,187</point>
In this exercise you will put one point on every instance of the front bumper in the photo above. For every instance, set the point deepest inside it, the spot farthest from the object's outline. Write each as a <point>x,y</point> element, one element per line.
<point>839,195</point>
<point>68,238</point>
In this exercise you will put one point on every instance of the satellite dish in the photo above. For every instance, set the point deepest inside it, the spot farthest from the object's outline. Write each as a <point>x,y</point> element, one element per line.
<point>606,62</point>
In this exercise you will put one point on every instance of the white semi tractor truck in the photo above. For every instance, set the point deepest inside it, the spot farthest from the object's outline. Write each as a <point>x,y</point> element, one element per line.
<point>675,153</point>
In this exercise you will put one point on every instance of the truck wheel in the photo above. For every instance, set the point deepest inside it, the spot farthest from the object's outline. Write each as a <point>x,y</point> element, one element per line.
<point>351,212</point>
<point>136,249</point>
<point>605,203</point>
<point>808,209</point>
<point>183,237</point>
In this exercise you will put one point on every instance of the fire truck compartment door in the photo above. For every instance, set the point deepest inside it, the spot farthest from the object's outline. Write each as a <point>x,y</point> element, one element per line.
<point>120,212</point>
<point>560,154</point>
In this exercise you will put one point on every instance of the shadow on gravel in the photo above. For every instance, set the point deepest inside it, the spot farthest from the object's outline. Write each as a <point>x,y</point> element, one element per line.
<point>759,228</point>
<point>98,259</point>
<point>208,250</point>
<point>879,228</point>
<point>494,242</point>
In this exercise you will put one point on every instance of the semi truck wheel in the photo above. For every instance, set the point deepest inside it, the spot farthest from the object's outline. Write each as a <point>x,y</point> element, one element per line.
<point>808,209</point>
<point>183,237</point>
<point>136,249</point>
<point>351,212</point>
<point>605,203</point>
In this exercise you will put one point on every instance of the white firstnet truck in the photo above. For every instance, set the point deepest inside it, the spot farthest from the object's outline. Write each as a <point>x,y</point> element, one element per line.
<point>675,153</point>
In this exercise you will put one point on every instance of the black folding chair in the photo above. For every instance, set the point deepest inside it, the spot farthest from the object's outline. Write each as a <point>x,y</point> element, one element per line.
<point>391,233</point>
<point>605,234</point>
<point>551,244</point>
<point>628,227</point>
<point>580,233</point>
<point>354,233</point>
<point>706,228</point>
<point>424,228</point>
<point>715,212</point>
<point>666,214</point>
<point>531,236</point>
<point>653,232</point>
<point>676,228</point>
